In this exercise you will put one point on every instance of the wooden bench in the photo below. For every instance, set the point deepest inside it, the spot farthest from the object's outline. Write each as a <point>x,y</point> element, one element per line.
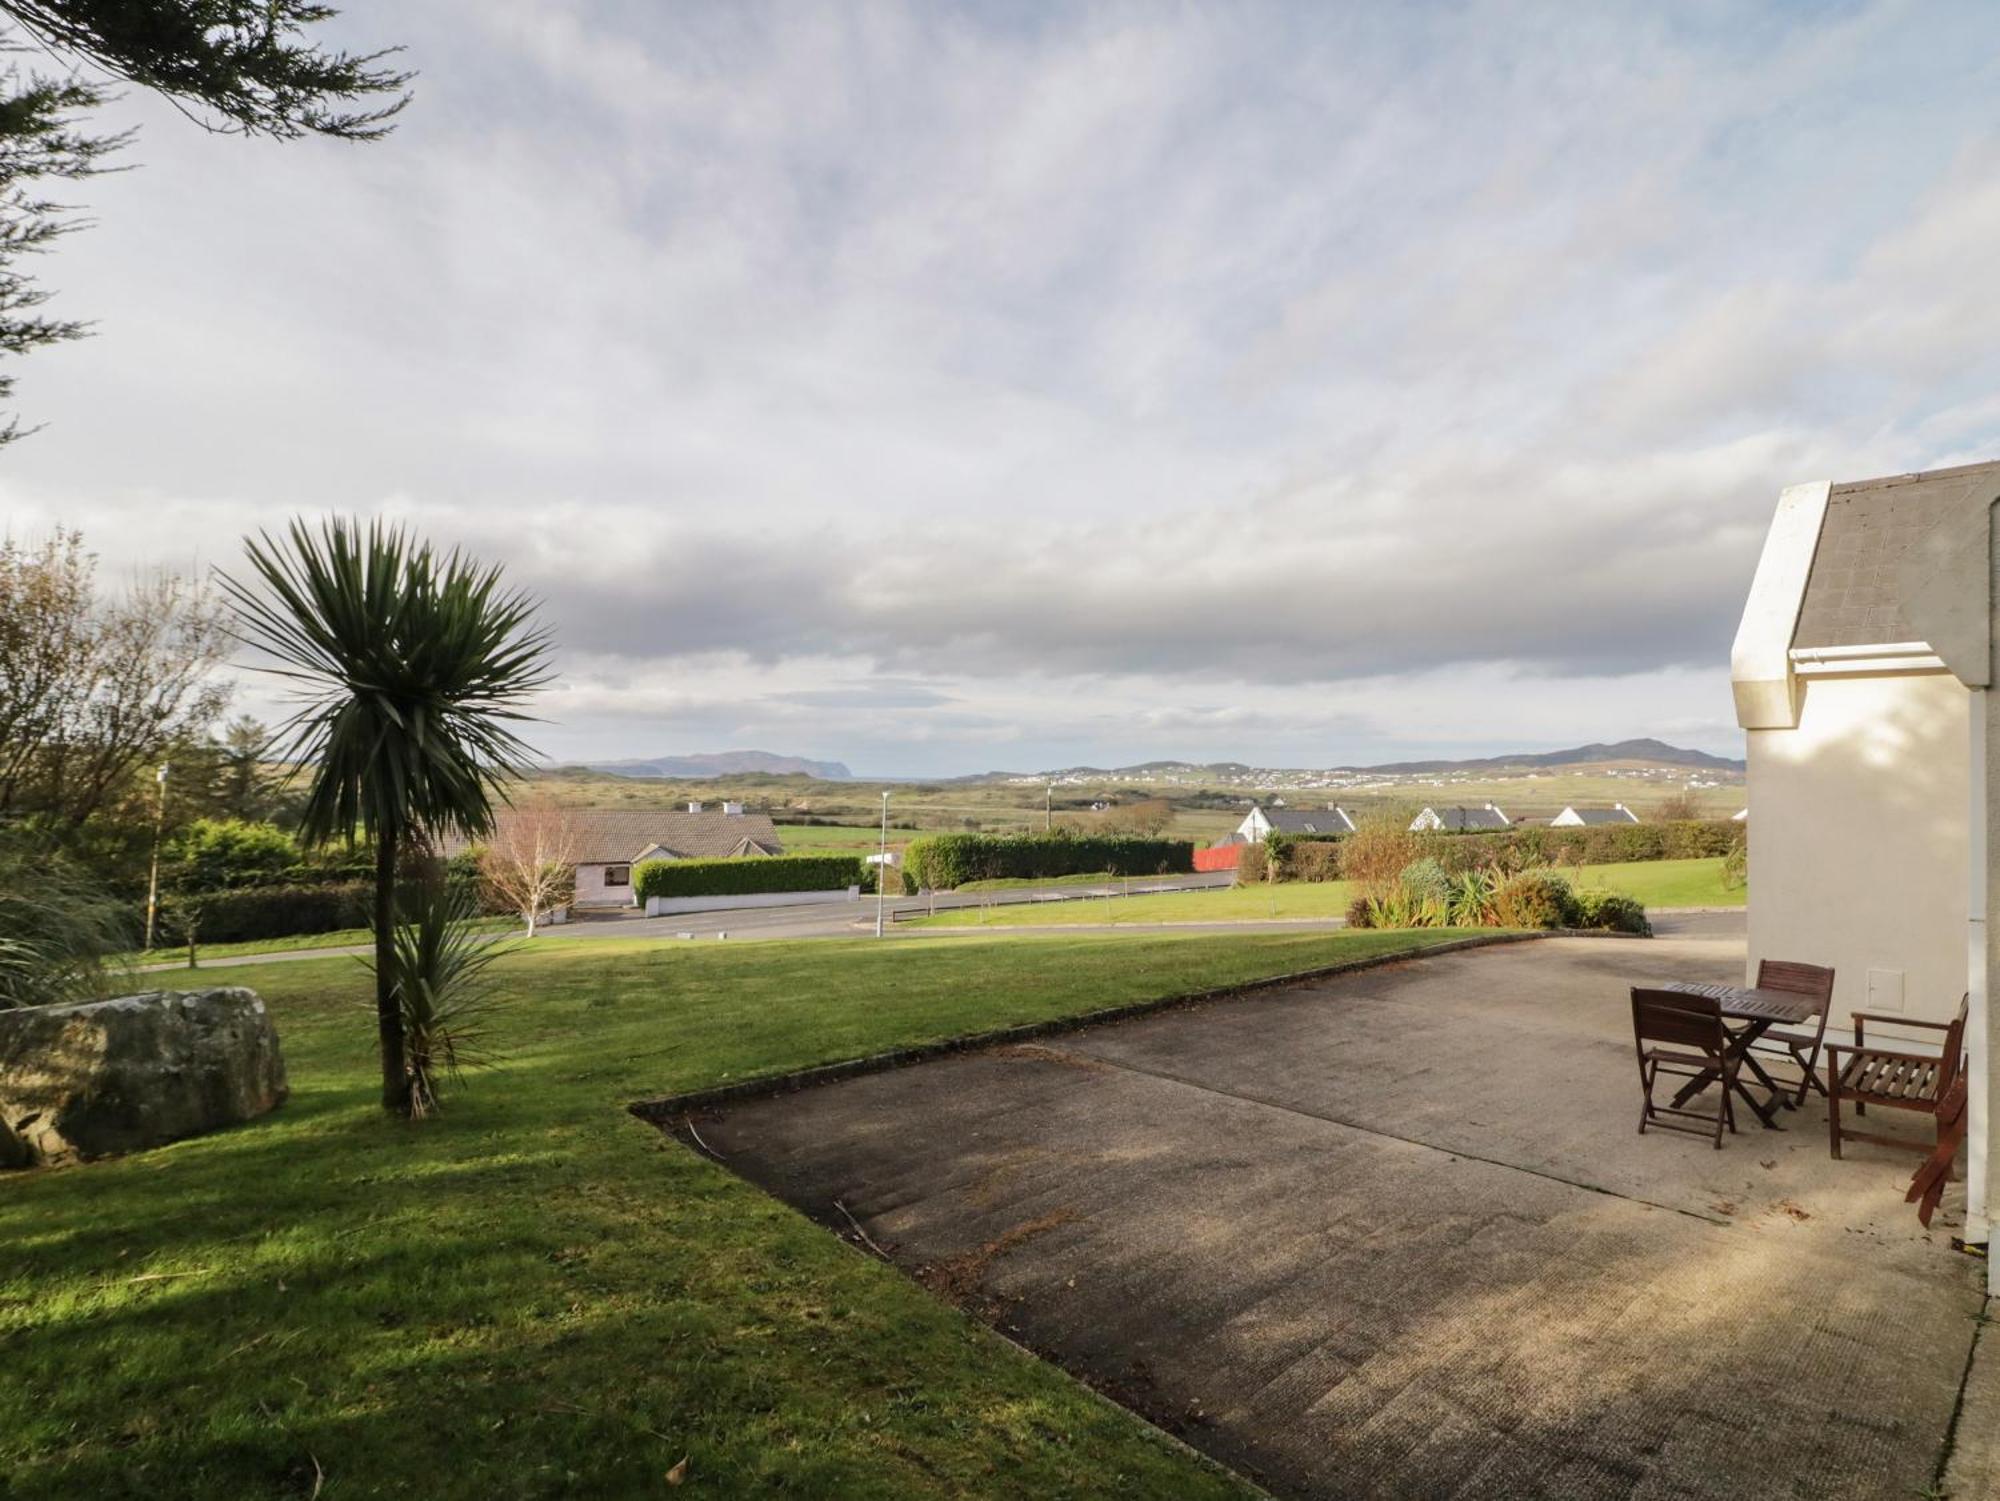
<point>1889,1077</point>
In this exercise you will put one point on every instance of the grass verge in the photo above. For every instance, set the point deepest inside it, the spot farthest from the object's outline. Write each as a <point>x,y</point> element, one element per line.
<point>537,1294</point>
<point>340,938</point>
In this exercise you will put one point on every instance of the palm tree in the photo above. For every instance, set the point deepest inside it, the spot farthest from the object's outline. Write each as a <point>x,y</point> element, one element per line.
<point>410,668</point>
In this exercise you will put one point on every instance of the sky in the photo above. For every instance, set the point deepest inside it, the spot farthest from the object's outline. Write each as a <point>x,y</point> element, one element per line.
<point>943,388</point>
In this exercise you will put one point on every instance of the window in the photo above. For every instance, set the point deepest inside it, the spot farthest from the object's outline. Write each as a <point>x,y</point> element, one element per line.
<point>618,875</point>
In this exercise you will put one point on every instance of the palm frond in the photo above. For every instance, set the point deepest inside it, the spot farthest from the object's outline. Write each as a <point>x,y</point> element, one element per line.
<point>411,668</point>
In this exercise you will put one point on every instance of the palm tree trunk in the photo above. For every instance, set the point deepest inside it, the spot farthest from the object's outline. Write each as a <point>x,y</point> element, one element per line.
<point>388,1010</point>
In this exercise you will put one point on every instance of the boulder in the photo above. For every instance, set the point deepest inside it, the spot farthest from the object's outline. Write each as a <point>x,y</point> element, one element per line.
<point>112,1076</point>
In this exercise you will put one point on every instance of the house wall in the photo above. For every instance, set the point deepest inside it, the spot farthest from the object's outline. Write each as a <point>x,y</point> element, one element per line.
<point>1859,849</point>
<point>591,890</point>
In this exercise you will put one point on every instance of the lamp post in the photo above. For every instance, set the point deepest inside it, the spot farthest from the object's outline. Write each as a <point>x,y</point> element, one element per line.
<point>159,823</point>
<point>882,866</point>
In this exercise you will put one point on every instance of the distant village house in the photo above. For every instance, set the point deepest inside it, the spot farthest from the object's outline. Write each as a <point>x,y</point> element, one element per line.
<point>1577,818</point>
<point>1482,819</point>
<point>1264,822</point>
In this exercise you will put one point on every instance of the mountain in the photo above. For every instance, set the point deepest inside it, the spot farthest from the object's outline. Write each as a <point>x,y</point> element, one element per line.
<point>725,764</point>
<point>1644,752</point>
<point>1652,752</point>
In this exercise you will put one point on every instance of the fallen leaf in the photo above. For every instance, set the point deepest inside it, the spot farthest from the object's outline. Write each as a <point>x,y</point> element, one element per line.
<point>679,1473</point>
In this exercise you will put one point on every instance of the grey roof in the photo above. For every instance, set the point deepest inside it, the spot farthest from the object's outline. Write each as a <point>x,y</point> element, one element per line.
<point>1457,819</point>
<point>613,836</point>
<point>1307,821</point>
<point>1850,597</point>
<point>1602,815</point>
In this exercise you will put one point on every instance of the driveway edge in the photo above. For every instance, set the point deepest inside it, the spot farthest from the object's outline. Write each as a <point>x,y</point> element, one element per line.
<point>661,1112</point>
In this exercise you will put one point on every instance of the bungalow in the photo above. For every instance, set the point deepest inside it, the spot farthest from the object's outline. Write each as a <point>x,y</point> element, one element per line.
<point>1460,820</point>
<point>1263,822</point>
<point>1863,670</point>
<point>1577,818</point>
<point>610,842</point>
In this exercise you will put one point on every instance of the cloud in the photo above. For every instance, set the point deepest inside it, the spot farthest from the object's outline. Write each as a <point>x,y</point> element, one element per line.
<point>1044,382</point>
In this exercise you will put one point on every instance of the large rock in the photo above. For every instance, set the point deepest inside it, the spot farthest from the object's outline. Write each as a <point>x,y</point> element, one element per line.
<point>116,1076</point>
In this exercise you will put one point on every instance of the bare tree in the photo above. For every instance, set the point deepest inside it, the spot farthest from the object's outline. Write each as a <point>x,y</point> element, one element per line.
<point>93,689</point>
<point>530,862</point>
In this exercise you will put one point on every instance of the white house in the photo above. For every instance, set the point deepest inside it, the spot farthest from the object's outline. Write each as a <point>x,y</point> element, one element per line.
<point>1862,671</point>
<point>1577,818</point>
<point>1263,822</point>
<point>1460,820</point>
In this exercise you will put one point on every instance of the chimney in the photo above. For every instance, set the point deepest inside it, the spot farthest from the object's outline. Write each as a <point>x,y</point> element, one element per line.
<point>694,807</point>
<point>732,810</point>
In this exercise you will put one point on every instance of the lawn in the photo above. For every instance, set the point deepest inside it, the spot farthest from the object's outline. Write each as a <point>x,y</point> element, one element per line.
<point>837,839</point>
<point>340,938</point>
<point>1657,883</point>
<point>536,1294</point>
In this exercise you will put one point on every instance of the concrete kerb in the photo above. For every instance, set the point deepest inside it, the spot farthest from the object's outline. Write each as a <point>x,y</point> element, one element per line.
<point>665,1112</point>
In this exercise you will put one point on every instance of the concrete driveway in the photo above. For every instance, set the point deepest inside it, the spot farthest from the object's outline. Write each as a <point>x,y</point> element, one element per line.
<point>1395,1235</point>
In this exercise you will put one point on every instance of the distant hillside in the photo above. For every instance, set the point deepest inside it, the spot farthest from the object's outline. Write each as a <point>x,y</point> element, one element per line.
<point>1629,752</point>
<point>1651,752</point>
<point>726,764</point>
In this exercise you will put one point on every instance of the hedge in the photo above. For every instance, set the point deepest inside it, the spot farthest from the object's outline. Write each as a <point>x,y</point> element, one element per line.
<point>940,862</point>
<point>746,875</point>
<point>1287,857</point>
<point>252,912</point>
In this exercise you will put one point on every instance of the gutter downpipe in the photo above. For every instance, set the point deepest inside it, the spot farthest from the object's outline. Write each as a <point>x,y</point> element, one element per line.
<point>1977,1032</point>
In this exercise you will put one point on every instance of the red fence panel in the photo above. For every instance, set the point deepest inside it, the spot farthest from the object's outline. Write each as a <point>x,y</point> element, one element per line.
<point>1217,857</point>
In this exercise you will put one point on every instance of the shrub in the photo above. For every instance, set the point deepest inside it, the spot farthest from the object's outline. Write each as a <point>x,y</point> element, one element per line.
<point>1596,844</point>
<point>56,927</point>
<point>1360,913</point>
<point>1736,866</point>
<point>1376,853</point>
<point>252,912</point>
<point>211,854</point>
<point>1612,911</point>
<point>1534,899</point>
<point>944,861</point>
<point>1253,864</point>
<point>1302,857</point>
<point>747,876</point>
<point>1470,898</point>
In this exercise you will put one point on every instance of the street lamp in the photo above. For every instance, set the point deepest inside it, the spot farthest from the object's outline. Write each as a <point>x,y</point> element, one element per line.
<point>153,880</point>
<point>882,865</point>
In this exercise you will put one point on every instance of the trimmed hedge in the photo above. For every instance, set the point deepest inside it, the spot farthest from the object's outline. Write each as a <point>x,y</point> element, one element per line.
<point>941,862</point>
<point>1288,857</point>
<point>751,875</point>
<point>251,912</point>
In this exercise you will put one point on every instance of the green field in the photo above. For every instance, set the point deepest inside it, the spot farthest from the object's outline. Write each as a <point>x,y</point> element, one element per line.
<point>1201,810</point>
<point>339,938</point>
<point>536,1294</point>
<point>838,839</point>
<point>1656,883</point>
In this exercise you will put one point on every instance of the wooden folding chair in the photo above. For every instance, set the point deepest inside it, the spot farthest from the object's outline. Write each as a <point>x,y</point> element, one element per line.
<point>1681,1035</point>
<point>1883,1076</point>
<point>1927,1184</point>
<point>1801,1046</point>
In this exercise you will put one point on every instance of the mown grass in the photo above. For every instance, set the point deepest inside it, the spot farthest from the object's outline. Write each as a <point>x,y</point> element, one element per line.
<point>1656,883</point>
<point>339,938</point>
<point>837,839</point>
<point>536,1294</point>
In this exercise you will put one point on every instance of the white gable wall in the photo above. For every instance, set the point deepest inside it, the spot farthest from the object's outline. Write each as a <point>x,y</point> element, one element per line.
<point>1859,850</point>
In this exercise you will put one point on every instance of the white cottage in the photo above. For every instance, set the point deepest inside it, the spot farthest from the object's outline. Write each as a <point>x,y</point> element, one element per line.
<point>1861,672</point>
<point>1576,818</point>
<point>1262,822</point>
